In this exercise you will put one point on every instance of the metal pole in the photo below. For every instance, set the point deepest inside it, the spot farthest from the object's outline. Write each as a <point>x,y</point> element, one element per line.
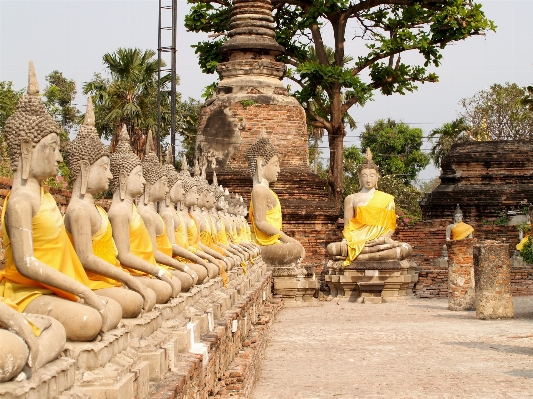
<point>158,132</point>
<point>173,81</point>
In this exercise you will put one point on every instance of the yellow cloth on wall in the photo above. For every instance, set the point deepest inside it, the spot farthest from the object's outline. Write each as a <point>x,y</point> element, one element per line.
<point>520,245</point>
<point>51,246</point>
<point>461,230</point>
<point>273,217</point>
<point>371,221</point>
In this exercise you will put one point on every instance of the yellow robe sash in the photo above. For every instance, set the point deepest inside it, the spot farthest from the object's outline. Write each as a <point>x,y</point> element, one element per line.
<point>192,234</point>
<point>273,217</point>
<point>371,221</point>
<point>140,242</point>
<point>104,247</point>
<point>51,246</point>
<point>221,234</point>
<point>163,242</point>
<point>461,230</point>
<point>181,239</point>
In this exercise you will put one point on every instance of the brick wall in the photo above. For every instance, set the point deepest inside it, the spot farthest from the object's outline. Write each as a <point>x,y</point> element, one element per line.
<point>427,238</point>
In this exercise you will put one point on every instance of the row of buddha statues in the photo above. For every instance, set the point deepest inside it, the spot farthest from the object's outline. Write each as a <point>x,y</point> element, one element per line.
<point>73,277</point>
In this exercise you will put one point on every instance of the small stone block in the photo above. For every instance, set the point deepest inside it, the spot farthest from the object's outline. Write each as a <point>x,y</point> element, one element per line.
<point>141,383</point>
<point>156,360</point>
<point>123,389</point>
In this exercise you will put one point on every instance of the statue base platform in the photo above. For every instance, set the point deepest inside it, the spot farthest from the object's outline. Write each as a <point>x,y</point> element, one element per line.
<point>372,281</point>
<point>294,282</point>
<point>185,346</point>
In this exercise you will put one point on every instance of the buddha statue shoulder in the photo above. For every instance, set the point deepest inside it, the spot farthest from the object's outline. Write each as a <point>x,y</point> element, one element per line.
<point>135,250</point>
<point>277,248</point>
<point>458,230</point>
<point>43,274</point>
<point>88,225</point>
<point>369,222</point>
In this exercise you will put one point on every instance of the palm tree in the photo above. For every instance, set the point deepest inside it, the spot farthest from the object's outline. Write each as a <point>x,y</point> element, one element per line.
<point>129,96</point>
<point>446,135</point>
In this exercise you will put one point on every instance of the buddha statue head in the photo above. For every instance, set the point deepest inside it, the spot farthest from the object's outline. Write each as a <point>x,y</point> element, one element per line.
<point>263,161</point>
<point>88,158</point>
<point>190,187</point>
<point>174,182</point>
<point>126,168</point>
<point>368,172</point>
<point>458,215</point>
<point>156,180</point>
<point>32,136</point>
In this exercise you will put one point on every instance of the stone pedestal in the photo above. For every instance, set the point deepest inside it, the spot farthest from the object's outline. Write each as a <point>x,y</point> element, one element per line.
<point>294,282</point>
<point>372,282</point>
<point>461,291</point>
<point>493,280</point>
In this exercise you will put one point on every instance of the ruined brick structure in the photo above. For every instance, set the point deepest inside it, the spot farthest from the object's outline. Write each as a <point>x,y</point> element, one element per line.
<point>485,179</point>
<point>251,101</point>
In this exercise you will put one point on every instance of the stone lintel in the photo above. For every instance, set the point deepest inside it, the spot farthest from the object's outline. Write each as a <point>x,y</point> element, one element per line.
<point>375,265</point>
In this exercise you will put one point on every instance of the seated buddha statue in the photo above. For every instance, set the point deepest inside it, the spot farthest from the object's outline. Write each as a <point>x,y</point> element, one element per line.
<point>155,190</point>
<point>175,226</point>
<point>135,250</point>
<point>216,194</point>
<point>88,225</point>
<point>458,230</point>
<point>27,342</point>
<point>42,274</point>
<point>208,233</point>
<point>369,222</point>
<point>189,234</point>
<point>277,248</point>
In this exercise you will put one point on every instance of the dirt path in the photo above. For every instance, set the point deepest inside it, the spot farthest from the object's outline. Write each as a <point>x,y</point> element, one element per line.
<point>411,349</point>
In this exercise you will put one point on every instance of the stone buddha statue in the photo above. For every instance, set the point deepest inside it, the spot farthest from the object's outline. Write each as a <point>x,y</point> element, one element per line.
<point>27,342</point>
<point>216,196</point>
<point>175,226</point>
<point>201,216</point>
<point>277,248</point>
<point>43,274</point>
<point>369,222</point>
<point>458,230</point>
<point>155,190</point>
<point>134,246</point>
<point>88,224</point>
<point>189,234</point>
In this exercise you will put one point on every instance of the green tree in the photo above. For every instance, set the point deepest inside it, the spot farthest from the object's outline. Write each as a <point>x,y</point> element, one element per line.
<point>60,93</point>
<point>188,117</point>
<point>445,136</point>
<point>387,28</point>
<point>9,99</point>
<point>129,96</point>
<point>498,113</point>
<point>501,112</point>
<point>396,148</point>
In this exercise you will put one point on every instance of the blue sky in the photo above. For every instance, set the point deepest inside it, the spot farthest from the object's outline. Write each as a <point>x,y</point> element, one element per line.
<point>71,36</point>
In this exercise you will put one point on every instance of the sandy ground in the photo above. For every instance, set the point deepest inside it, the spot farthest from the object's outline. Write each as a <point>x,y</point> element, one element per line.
<point>410,349</point>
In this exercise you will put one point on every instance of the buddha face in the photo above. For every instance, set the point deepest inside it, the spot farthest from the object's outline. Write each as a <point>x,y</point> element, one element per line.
<point>159,189</point>
<point>46,158</point>
<point>368,178</point>
<point>458,217</point>
<point>221,204</point>
<point>191,198</point>
<point>210,200</point>
<point>271,170</point>
<point>135,182</point>
<point>202,199</point>
<point>177,194</point>
<point>99,176</point>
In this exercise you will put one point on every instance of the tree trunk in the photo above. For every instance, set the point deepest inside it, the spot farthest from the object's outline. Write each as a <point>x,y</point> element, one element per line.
<point>335,181</point>
<point>315,133</point>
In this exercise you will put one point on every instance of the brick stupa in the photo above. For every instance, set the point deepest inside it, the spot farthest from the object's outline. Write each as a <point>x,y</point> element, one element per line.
<point>251,101</point>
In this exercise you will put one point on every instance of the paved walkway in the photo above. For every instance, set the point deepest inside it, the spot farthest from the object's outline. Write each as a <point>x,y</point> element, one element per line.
<point>411,349</point>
